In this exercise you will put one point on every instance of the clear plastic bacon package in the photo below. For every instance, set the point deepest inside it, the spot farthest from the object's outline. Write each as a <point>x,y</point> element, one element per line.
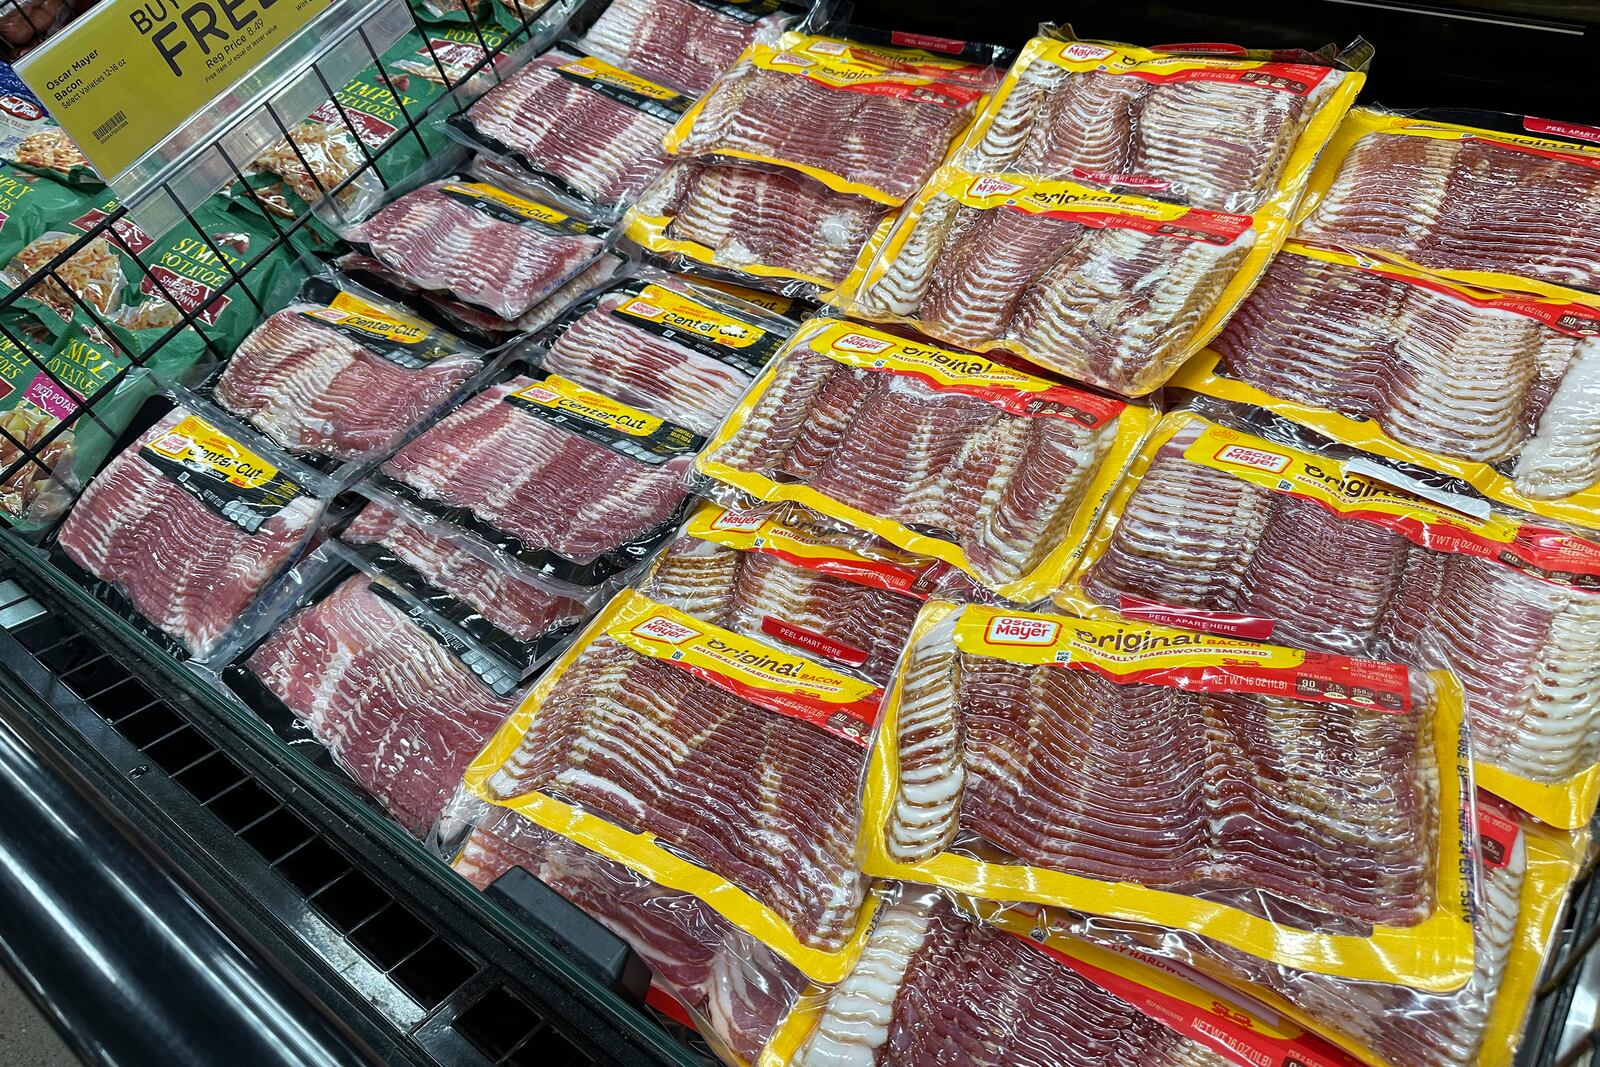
<point>1302,808</point>
<point>1501,390</point>
<point>578,125</point>
<point>735,990</point>
<point>850,118</point>
<point>1516,210</point>
<point>189,524</point>
<point>939,983</point>
<point>572,484</point>
<point>997,472</point>
<point>357,673</point>
<point>684,43</point>
<point>1231,133</point>
<point>497,248</point>
<point>757,225</point>
<point>711,763</point>
<point>1108,288</point>
<point>769,573</point>
<point>1217,528</point>
<point>340,375</point>
<point>665,344</point>
<point>1525,872</point>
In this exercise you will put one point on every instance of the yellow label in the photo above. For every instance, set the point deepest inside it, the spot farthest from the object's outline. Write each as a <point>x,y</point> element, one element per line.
<point>1040,196</point>
<point>194,440</point>
<point>646,625</point>
<point>1435,954</point>
<point>516,205</point>
<point>556,393</point>
<point>778,305</point>
<point>753,531</point>
<point>663,306</point>
<point>129,73</point>
<point>350,310</point>
<point>600,71</point>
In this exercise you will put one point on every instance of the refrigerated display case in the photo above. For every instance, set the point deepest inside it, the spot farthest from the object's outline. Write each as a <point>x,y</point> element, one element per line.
<point>185,881</point>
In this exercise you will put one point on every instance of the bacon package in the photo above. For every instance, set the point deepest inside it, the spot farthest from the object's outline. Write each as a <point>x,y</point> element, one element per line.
<point>736,990</point>
<point>1501,210</point>
<point>994,471</point>
<point>189,524</point>
<point>573,484</point>
<point>479,243</point>
<point>1219,529</point>
<point>708,762</point>
<point>684,43</point>
<point>1111,289</point>
<point>768,229</point>
<point>850,119</point>
<point>590,129</point>
<point>341,374</point>
<point>772,575</point>
<point>1217,132</point>
<point>666,345</point>
<point>1299,807</point>
<point>1500,390</point>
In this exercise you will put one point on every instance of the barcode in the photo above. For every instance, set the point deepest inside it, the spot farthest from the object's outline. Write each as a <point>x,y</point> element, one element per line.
<point>110,126</point>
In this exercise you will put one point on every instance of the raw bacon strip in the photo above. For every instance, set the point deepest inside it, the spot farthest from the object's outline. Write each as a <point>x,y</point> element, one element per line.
<point>732,983</point>
<point>1434,371</point>
<point>1527,651</point>
<point>1469,204</point>
<point>434,241</point>
<point>676,42</point>
<point>607,353</point>
<point>889,143</point>
<point>602,148</point>
<point>765,800</point>
<point>527,477</point>
<point>401,714</point>
<point>742,591</point>
<point>1323,805</point>
<point>314,389</point>
<point>1084,125</point>
<point>1110,306</point>
<point>1004,487</point>
<point>750,217</point>
<point>934,986</point>
<point>1563,455</point>
<point>183,567</point>
<point>515,603</point>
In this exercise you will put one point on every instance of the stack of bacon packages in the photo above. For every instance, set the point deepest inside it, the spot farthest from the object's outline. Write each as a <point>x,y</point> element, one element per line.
<point>1109,207</point>
<point>795,160</point>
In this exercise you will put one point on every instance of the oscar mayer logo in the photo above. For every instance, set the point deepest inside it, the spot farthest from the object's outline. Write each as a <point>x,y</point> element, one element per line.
<point>1258,458</point>
<point>642,308</point>
<point>1021,630</point>
<point>1087,53</point>
<point>742,521</point>
<point>540,395</point>
<point>860,342</point>
<point>661,628</point>
<point>992,186</point>
<point>790,59</point>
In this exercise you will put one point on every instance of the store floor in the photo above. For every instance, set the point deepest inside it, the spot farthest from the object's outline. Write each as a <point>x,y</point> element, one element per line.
<point>26,1040</point>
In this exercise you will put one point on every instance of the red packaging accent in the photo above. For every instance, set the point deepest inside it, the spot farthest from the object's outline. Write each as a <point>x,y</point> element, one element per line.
<point>26,110</point>
<point>945,45</point>
<point>1297,78</point>
<point>1214,622</point>
<point>130,235</point>
<point>1131,181</point>
<point>1580,158</point>
<point>811,641</point>
<point>1196,224</point>
<point>1561,129</point>
<point>1497,833</point>
<point>189,295</point>
<point>1222,1027</point>
<point>1321,679</point>
<point>1210,48</point>
<point>943,94</point>
<point>853,721</point>
<point>1577,320</point>
<point>372,131</point>
<point>668,1005</point>
<point>872,573</point>
<point>1087,409</point>
<point>49,397</point>
<point>1554,556</point>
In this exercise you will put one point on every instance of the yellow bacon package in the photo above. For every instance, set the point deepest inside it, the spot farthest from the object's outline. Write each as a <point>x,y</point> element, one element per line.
<point>1109,288</point>
<point>907,114</point>
<point>711,763</point>
<point>1120,117</point>
<point>1360,350</point>
<point>951,455</point>
<point>1164,776</point>
<point>1222,531</point>
<point>1491,209</point>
